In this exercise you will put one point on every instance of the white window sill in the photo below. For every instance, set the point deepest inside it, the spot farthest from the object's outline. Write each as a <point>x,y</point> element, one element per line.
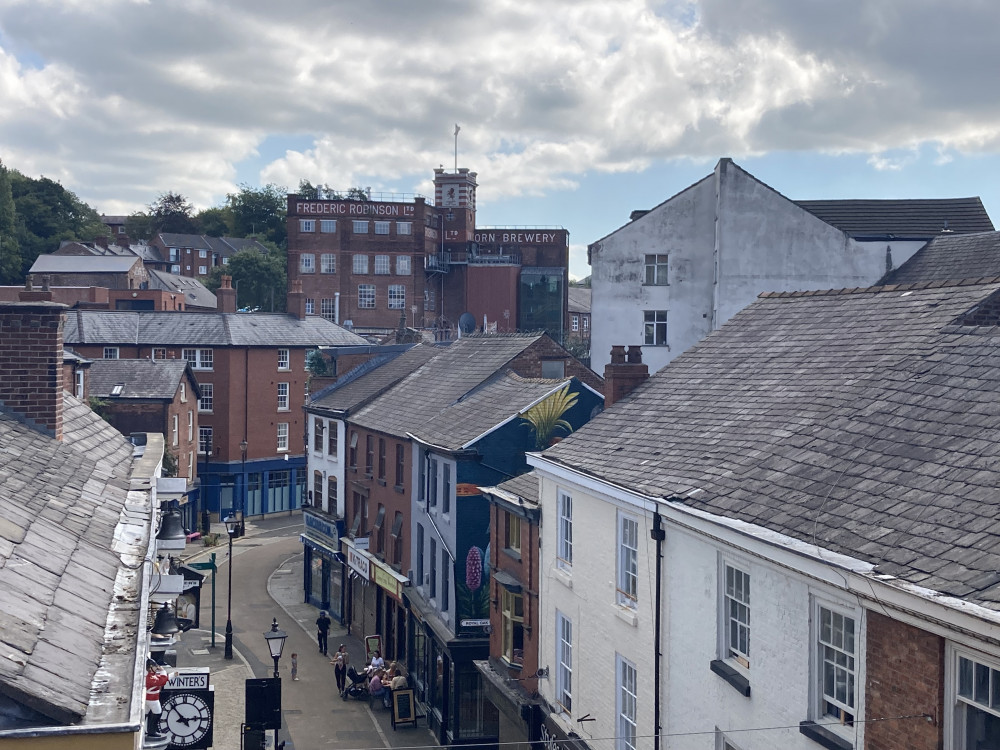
<point>564,577</point>
<point>627,615</point>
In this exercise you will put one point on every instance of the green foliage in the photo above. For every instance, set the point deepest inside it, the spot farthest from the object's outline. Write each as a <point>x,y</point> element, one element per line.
<point>260,279</point>
<point>10,249</point>
<point>139,226</point>
<point>99,407</point>
<point>316,363</point>
<point>545,417</point>
<point>169,464</point>
<point>171,212</point>
<point>259,212</point>
<point>215,222</point>
<point>45,215</point>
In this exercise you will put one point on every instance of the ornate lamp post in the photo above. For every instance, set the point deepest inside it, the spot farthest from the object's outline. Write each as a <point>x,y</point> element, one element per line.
<point>231,525</point>
<point>275,642</point>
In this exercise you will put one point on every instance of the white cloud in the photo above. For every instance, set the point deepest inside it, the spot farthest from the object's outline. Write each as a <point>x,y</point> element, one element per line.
<point>125,100</point>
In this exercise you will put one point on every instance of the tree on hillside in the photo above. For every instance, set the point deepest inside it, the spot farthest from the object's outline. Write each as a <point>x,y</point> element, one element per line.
<point>10,251</point>
<point>171,212</point>
<point>260,279</point>
<point>259,212</point>
<point>139,226</point>
<point>215,222</point>
<point>47,213</point>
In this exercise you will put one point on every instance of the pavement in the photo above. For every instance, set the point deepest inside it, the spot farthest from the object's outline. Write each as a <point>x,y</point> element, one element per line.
<point>267,583</point>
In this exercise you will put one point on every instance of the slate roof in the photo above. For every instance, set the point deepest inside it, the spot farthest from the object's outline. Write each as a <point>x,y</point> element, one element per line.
<point>951,256</point>
<point>864,421</point>
<point>579,299</point>
<point>195,293</point>
<point>912,218</point>
<point>222,245</point>
<point>83,264</point>
<point>142,378</point>
<point>486,407</point>
<point>60,502</point>
<point>365,382</point>
<point>442,381</point>
<point>210,329</point>
<point>525,486</point>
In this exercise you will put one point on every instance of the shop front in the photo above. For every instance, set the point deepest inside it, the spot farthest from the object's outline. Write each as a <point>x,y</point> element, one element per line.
<point>323,573</point>
<point>445,679</point>
<point>375,596</point>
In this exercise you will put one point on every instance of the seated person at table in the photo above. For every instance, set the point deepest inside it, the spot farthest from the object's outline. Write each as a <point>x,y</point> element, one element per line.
<point>375,686</point>
<point>398,681</point>
<point>377,661</point>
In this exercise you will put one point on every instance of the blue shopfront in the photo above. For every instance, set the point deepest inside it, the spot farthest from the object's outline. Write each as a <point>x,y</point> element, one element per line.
<point>322,573</point>
<point>257,488</point>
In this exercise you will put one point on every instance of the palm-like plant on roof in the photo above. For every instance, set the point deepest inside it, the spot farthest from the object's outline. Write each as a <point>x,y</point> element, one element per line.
<point>546,417</point>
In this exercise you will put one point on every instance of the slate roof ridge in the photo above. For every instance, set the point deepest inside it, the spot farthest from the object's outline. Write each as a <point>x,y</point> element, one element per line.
<point>883,288</point>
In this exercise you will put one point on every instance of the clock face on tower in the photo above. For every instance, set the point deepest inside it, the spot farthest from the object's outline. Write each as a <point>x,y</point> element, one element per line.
<point>186,718</point>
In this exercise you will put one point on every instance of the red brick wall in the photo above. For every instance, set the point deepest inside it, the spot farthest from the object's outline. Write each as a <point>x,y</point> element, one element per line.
<point>524,570</point>
<point>904,669</point>
<point>31,364</point>
<point>529,363</point>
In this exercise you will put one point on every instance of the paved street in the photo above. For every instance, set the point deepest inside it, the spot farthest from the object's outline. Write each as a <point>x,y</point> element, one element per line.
<point>267,582</point>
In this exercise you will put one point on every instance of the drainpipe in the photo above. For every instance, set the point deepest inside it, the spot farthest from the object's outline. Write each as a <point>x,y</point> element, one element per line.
<point>657,534</point>
<point>336,308</point>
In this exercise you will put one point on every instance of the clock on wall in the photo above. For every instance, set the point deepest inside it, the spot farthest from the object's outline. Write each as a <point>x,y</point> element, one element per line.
<point>186,719</point>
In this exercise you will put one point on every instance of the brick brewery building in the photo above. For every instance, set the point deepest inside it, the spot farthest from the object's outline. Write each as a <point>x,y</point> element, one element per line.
<point>366,263</point>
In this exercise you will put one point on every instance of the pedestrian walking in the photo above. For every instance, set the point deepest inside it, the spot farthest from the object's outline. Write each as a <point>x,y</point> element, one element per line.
<point>295,666</point>
<point>322,630</point>
<point>341,660</point>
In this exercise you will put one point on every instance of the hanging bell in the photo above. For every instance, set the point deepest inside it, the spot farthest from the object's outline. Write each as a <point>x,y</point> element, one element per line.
<point>171,534</point>
<point>166,622</point>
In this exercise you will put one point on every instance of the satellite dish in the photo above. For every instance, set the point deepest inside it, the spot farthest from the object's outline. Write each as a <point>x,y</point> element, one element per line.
<point>467,323</point>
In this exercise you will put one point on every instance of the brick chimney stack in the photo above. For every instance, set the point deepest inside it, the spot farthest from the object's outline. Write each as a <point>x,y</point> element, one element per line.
<point>297,300</point>
<point>31,362</point>
<point>623,374</point>
<point>101,240</point>
<point>225,296</point>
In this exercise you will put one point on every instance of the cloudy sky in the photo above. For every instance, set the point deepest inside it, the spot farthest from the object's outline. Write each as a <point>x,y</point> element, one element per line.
<point>573,112</point>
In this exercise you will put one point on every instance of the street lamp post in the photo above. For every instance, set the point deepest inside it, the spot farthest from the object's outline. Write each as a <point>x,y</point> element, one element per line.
<point>230,522</point>
<point>275,642</point>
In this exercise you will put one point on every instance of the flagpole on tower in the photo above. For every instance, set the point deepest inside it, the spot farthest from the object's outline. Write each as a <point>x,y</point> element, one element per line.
<point>456,147</point>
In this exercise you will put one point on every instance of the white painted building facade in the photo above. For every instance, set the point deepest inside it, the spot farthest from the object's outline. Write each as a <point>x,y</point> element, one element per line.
<point>794,628</point>
<point>676,273</point>
<point>325,450</point>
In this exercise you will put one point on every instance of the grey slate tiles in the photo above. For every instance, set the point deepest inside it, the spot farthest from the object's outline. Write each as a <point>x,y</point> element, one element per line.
<point>864,421</point>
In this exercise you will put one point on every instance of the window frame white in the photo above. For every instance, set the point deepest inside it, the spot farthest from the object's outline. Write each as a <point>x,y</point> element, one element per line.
<point>626,698</point>
<point>404,228</point>
<point>382,265</point>
<point>956,704</point>
<point>366,296</point>
<point>564,530</point>
<point>818,696</point>
<point>656,269</point>
<point>382,227</point>
<point>404,267</point>
<point>397,296</point>
<point>359,264</point>
<point>564,662</point>
<point>110,352</point>
<point>207,397</point>
<point>203,270</point>
<point>328,308</point>
<point>205,431</point>
<point>282,436</point>
<point>651,328</point>
<point>327,226</point>
<point>729,652</point>
<point>283,391</point>
<point>627,583</point>
<point>359,226</point>
<point>174,430</point>
<point>190,431</point>
<point>284,359</point>
<point>199,359</point>
<point>328,263</point>
<point>307,263</point>
<point>310,306</point>
<point>307,225</point>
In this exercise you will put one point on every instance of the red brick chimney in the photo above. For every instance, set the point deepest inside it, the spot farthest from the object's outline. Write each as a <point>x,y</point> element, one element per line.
<point>101,240</point>
<point>31,362</point>
<point>623,374</point>
<point>225,296</point>
<point>297,300</point>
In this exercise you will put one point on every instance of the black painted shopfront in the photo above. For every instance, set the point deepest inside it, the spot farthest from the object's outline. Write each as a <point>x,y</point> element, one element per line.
<point>323,572</point>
